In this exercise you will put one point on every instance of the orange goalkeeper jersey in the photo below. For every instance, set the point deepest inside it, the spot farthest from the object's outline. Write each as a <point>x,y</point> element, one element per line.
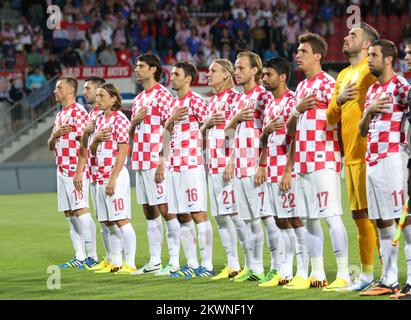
<point>350,112</point>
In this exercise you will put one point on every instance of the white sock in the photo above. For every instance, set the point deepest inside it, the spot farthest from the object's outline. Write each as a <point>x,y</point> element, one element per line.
<point>257,230</point>
<point>188,240</point>
<point>78,244</point>
<point>173,236</point>
<point>116,239</point>
<point>339,240</point>
<point>203,245</point>
<point>242,234</point>
<point>129,244</point>
<point>386,235</point>
<point>155,239</point>
<point>288,239</point>
<point>407,237</point>
<point>228,239</point>
<point>315,240</point>
<point>275,244</point>
<point>93,245</point>
<point>88,233</point>
<point>105,235</point>
<point>301,252</point>
<point>208,259</point>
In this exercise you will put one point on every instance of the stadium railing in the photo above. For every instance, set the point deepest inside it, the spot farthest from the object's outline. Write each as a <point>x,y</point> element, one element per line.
<point>25,114</point>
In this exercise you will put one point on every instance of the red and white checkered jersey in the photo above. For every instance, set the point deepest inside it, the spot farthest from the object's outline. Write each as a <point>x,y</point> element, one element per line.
<point>107,151</point>
<point>67,147</point>
<point>386,131</point>
<point>247,133</point>
<point>147,142</point>
<point>278,142</point>
<point>91,159</point>
<point>317,145</point>
<point>218,150</point>
<point>186,143</point>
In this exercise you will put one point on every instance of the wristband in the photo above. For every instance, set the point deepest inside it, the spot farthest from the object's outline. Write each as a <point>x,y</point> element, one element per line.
<point>295,112</point>
<point>263,165</point>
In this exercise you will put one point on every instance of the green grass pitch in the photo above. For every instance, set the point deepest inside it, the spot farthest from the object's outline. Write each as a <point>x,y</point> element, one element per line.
<point>34,236</point>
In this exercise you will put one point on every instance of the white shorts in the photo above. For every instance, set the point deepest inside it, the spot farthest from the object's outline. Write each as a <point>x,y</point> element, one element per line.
<point>186,191</point>
<point>93,192</point>
<point>318,194</point>
<point>249,198</point>
<point>117,207</point>
<point>69,199</point>
<point>387,187</point>
<point>280,204</point>
<point>221,194</point>
<point>147,190</point>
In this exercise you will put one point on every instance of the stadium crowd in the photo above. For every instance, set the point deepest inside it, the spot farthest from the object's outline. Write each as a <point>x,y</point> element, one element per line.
<point>115,32</point>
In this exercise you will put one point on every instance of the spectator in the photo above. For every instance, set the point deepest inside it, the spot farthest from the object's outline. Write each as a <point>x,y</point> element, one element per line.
<point>108,57</point>
<point>120,34</point>
<point>71,58</point>
<point>290,34</point>
<point>52,67</point>
<point>193,42</point>
<point>38,41</point>
<point>226,52</point>
<point>9,59</point>
<point>182,34</point>
<point>123,55</point>
<point>327,15</point>
<point>145,42</point>
<point>7,37</point>
<point>35,80</point>
<point>170,58</point>
<point>16,95</point>
<point>82,47</point>
<point>184,54</point>
<point>406,32</point>
<point>214,54</point>
<point>287,52</point>
<point>241,23</point>
<point>241,43</point>
<point>34,58</point>
<point>134,54</point>
<point>225,39</point>
<point>271,53</point>
<point>90,57</point>
<point>200,60</point>
<point>237,10</point>
<point>258,37</point>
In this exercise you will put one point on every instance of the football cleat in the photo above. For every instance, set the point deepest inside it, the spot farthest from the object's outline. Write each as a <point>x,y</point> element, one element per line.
<point>203,272</point>
<point>166,270</point>
<point>125,269</point>
<point>240,274</point>
<point>285,281</point>
<point>380,289</point>
<point>186,272</point>
<point>338,284</point>
<point>298,283</point>
<point>360,285</point>
<point>315,283</point>
<point>148,268</point>
<point>270,274</point>
<point>404,294</point>
<point>226,273</point>
<point>88,264</point>
<point>110,268</point>
<point>273,282</point>
<point>73,263</point>
<point>104,263</point>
